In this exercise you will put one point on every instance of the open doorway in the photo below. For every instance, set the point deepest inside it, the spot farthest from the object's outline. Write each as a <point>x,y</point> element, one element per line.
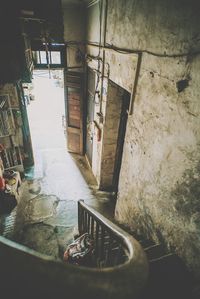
<point>125,102</point>
<point>46,111</point>
<point>118,100</point>
<point>46,215</point>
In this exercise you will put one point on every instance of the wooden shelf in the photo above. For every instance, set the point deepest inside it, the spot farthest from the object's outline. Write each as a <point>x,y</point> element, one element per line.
<point>3,136</point>
<point>11,153</point>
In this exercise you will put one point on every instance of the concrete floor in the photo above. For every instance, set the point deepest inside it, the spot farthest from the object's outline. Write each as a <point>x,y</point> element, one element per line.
<point>45,218</point>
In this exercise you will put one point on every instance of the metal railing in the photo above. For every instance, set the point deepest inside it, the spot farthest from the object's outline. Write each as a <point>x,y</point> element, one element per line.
<point>121,269</point>
<point>112,245</point>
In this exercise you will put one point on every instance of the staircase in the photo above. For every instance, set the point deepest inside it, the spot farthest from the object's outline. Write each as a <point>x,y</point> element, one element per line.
<point>120,270</point>
<point>121,267</point>
<point>168,277</point>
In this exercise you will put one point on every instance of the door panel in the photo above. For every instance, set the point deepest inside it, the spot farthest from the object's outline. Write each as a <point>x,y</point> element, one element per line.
<point>73,83</point>
<point>73,140</point>
<point>74,115</point>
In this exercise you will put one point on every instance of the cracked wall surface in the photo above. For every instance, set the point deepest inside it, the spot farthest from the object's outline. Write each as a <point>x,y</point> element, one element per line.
<point>159,194</point>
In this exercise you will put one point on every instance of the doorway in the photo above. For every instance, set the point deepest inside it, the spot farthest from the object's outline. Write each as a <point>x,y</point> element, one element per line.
<point>46,110</point>
<point>121,138</point>
<point>47,212</point>
<point>118,100</point>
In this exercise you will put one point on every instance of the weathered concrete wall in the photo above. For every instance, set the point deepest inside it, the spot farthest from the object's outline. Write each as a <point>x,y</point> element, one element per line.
<point>93,23</point>
<point>97,144</point>
<point>160,174</point>
<point>158,190</point>
<point>159,180</point>
<point>122,73</point>
<point>122,68</point>
<point>74,18</point>
<point>154,25</point>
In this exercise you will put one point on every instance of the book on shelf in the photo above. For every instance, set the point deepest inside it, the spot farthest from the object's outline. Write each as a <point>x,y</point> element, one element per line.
<point>4,158</point>
<point>4,101</point>
<point>7,125</point>
<point>10,157</point>
<point>1,127</point>
<point>10,153</point>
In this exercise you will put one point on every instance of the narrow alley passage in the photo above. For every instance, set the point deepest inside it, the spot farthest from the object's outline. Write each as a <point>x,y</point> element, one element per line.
<point>45,218</point>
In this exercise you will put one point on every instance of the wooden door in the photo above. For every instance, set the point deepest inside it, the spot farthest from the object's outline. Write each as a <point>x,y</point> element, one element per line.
<point>74,122</point>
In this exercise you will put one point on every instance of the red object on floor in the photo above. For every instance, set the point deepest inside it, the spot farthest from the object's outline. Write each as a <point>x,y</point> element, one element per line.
<point>2,183</point>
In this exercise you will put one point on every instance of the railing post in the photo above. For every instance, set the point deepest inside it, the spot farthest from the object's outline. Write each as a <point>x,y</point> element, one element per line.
<point>102,243</point>
<point>97,239</point>
<point>92,227</point>
<point>112,245</point>
<point>80,217</point>
<point>108,255</point>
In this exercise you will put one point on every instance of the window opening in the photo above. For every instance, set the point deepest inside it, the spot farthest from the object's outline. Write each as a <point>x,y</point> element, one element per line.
<point>53,56</point>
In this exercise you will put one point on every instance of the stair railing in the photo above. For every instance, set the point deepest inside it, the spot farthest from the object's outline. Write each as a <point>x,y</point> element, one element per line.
<point>121,270</point>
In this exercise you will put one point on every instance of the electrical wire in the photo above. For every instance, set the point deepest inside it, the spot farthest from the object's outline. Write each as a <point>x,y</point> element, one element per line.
<point>98,57</point>
<point>139,51</point>
<point>136,51</point>
<point>100,25</point>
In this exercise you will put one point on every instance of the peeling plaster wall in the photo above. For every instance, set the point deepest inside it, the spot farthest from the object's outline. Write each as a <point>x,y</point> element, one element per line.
<point>93,23</point>
<point>74,18</point>
<point>122,73</point>
<point>159,181</point>
<point>122,68</point>
<point>118,67</point>
<point>97,144</point>
<point>93,36</point>
<point>159,193</point>
<point>154,25</point>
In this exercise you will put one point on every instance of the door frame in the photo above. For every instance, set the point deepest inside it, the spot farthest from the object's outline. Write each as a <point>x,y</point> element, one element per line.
<point>120,139</point>
<point>89,92</point>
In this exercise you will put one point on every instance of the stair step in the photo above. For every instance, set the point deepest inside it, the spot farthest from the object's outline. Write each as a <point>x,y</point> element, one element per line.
<point>145,243</point>
<point>155,251</point>
<point>168,278</point>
